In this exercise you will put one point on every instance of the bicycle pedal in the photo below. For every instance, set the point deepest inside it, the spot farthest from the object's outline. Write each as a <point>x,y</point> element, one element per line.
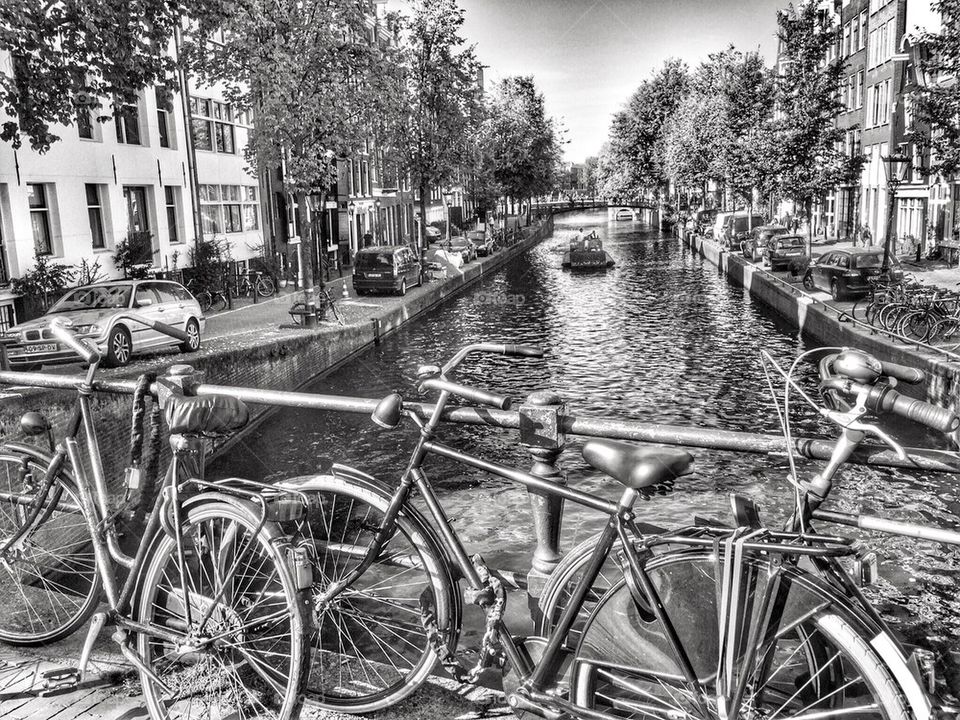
<point>59,680</point>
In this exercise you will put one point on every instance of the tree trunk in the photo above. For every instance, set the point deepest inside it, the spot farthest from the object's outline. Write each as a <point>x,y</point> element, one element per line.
<point>808,211</point>
<point>422,232</point>
<point>306,261</point>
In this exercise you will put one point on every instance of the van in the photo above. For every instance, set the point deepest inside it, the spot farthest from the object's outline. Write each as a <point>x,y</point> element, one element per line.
<point>733,227</point>
<point>719,223</point>
<point>385,268</point>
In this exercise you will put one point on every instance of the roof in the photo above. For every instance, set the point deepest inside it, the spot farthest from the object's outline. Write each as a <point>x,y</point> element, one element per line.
<point>381,248</point>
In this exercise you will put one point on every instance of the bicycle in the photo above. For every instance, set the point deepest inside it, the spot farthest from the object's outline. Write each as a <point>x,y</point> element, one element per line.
<point>703,621</point>
<point>215,299</point>
<point>325,302</point>
<point>252,282</point>
<point>211,612</point>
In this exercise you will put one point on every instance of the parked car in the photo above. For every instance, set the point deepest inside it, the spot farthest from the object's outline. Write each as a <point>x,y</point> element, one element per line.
<point>781,249</point>
<point>97,314</point>
<point>432,233</point>
<point>385,268</point>
<point>737,228</point>
<point>704,220</point>
<point>719,223</point>
<point>481,242</point>
<point>755,245</point>
<point>848,272</point>
<point>463,246</point>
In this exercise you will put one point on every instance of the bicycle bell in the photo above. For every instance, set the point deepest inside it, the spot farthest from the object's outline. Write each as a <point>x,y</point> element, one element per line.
<point>858,366</point>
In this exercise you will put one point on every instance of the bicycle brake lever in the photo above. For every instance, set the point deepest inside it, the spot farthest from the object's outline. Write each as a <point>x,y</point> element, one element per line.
<point>881,435</point>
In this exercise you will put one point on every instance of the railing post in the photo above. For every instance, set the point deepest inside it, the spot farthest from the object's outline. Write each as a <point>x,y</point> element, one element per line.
<point>541,431</point>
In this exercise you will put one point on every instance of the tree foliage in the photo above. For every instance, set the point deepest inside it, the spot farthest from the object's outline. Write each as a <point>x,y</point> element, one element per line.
<point>439,100</point>
<point>938,105</point>
<point>322,77</point>
<point>811,161</point>
<point>67,52</point>
<point>520,141</point>
<point>635,159</point>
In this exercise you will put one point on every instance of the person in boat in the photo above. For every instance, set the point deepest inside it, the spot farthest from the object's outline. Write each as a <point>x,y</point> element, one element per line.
<point>577,240</point>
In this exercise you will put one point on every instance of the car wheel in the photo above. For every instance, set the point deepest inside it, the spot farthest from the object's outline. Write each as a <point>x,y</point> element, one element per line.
<point>192,343</point>
<point>835,291</point>
<point>119,347</point>
<point>808,282</point>
<point>403,287</point>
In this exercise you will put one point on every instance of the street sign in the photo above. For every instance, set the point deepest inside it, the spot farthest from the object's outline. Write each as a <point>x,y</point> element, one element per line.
<point>295,240</point>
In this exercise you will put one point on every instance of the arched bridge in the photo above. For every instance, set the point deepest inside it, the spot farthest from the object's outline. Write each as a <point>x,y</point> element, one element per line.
<point>637,210</point>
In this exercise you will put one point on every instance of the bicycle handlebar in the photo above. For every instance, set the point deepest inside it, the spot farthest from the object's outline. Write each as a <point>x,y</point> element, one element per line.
<point>481,397</point>
<point>64,334</point>
<point>903,373</point>
<point>886,399</point>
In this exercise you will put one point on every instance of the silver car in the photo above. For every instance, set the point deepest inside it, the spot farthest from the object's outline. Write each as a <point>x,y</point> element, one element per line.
<point>96,314</point>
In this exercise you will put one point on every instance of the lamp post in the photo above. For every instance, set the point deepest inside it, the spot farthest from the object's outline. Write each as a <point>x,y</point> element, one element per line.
<point>895,168</point>
<point>421,250</point>
<point>376,221</point>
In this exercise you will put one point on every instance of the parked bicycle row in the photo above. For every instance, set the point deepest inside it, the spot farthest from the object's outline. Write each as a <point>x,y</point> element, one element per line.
<point>242,599</point>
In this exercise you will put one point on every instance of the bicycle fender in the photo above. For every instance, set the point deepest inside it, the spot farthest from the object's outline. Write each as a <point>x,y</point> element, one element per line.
<point>41,456</point>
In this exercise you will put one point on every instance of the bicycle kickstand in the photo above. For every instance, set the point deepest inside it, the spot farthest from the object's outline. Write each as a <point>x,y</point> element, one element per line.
<point>67,679</point>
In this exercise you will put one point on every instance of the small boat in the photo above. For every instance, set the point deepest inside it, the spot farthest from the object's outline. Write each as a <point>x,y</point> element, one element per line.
<point>624,214</point>
<point>587,254</point>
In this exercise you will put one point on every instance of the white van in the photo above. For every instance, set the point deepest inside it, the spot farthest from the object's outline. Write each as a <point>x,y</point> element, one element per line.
<point>719,223</point>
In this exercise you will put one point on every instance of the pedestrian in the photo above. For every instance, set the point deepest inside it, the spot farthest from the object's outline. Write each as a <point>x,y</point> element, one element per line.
<point>367,240</point>
<point>867,236</point>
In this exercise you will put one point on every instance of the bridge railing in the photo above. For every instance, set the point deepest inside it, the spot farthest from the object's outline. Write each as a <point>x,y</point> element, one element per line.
<point>544,426</point>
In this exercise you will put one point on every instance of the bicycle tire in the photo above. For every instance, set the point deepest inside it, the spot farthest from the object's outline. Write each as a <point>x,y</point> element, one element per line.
<point>337,315</point>
<point>219,302</point>
<point>51,587</point>
<point>295,314</point>
<point>252,652</point>
<point>366,657</point>
<point>204,300</point>
<point>818,660</point>
<point>265,286</point>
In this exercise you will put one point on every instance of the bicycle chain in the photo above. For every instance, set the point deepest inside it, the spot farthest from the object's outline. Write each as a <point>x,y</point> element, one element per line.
<point>493,598</point>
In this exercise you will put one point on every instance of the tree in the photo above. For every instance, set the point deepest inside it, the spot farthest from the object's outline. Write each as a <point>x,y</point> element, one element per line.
<point>71,54</point>
<point>321,77</point>
<point>637,133</point>
<point>811,159</point>
<point>521,143</point>
<point>440,104</point>
<point>938,104</point>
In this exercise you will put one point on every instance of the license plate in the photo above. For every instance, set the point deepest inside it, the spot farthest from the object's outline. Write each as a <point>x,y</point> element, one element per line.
<point>42,348</point>
<point>374,275</point>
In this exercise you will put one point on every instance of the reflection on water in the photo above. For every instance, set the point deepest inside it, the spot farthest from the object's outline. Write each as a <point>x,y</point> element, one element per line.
<point>660,337</point>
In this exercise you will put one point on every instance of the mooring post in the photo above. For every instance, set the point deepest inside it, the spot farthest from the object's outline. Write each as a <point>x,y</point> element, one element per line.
<point>541,430</point>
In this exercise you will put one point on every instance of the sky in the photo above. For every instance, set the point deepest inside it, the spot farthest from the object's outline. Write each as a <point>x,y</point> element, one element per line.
<point>588,56</point>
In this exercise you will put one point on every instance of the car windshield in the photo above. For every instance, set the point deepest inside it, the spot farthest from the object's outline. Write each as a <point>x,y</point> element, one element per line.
<point>742,224</point>
<point>787,243</point>
<point>94,298</point>
<point>873,260</point>
<point>375,261</point>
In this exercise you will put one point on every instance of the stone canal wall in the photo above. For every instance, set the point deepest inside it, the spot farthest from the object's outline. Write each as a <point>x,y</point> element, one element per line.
<point>828,326</point>
<point>283,364</point>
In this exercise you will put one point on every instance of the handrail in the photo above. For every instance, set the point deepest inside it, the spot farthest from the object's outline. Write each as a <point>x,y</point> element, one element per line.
<point>579,425</point>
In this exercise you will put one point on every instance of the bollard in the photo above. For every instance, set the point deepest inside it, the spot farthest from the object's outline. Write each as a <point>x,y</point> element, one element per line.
<point>541,430</point>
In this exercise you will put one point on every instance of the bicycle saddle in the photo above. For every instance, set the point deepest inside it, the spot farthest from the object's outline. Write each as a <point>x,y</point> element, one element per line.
<point>205,415</point>
<point>636,466</point>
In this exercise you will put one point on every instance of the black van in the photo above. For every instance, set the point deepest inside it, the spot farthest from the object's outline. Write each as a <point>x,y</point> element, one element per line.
<point>390,268</point>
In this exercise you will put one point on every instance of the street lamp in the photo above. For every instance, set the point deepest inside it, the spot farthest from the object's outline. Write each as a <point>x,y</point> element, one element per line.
<point>895,169</point>
<point>376,220</point>
<point>448,196</point>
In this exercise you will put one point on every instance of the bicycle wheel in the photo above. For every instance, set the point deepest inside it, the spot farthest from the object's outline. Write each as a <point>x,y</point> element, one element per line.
<point>370,648</point>
<point>337,315</point>
<point>241,617</point>
<point>296,312</point>
<point>265,286</point>
<point>49,585</point>
<point>204,300</point>
<point>812,658</point>
<point>219,302</point>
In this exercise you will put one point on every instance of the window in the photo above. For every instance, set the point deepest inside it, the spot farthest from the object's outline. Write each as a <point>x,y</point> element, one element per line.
<point>170,195</point>
<point>860,89</point>
<point>164,119</point>
<point>846,40</point>
<point>40,218</point>
<point>127,120</point>
<point>855,35</point>
<point>229,208</point>
<point>138,218</point>
<point>84,124</point>
<point>213,126</point>
<point>95,216</point>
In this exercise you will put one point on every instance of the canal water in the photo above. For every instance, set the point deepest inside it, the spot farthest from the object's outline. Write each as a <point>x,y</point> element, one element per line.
<point>660,337</point>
